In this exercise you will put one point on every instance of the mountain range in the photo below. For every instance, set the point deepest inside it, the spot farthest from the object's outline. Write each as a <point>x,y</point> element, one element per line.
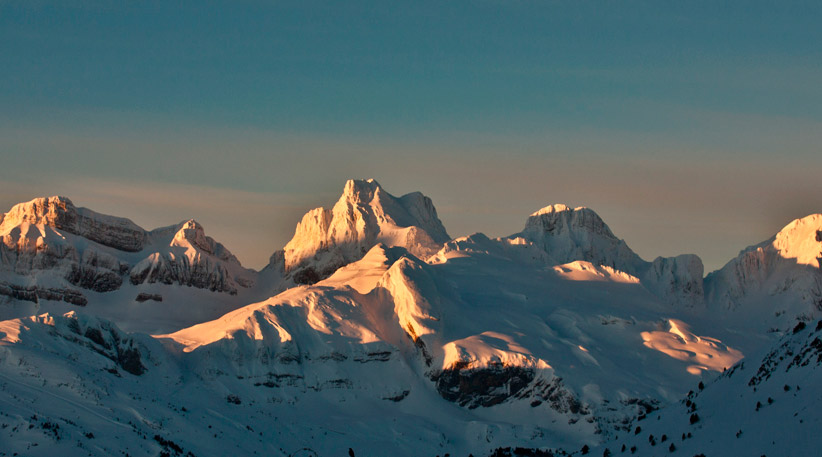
<point>374,332</point>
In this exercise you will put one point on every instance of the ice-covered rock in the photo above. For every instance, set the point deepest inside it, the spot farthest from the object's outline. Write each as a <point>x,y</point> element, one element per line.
<point>75,243</point>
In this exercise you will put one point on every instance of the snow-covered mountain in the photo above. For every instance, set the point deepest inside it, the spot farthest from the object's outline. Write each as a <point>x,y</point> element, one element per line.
<point>569,235</point>
<point>373,330</point>
<point>52,252</point>
<point>364,216</point>
<point>776,281</point>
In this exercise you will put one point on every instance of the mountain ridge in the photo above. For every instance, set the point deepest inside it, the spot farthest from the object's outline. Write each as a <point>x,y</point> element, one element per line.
<point>556,338</point>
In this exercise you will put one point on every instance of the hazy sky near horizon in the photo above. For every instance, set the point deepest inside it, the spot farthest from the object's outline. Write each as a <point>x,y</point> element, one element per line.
<point>690,127</point>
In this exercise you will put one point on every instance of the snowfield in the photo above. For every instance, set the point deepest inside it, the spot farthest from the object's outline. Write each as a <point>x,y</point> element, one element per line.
<point>373,330</point>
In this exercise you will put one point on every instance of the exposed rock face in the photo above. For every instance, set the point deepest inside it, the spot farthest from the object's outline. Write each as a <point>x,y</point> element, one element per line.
<point>26,247</point>
<point>789,263</point>
<point>364,216</point>
<point>99,335</point>
<point>97,271</point>
<point>555,395</point>
<point>677,278</point>
<point>143,297</point>
<point>169,269</point>
<point>191,259</point>
<point>46,234</point>
<point>61,214</point>
<point>481,387</point>
<point>33,294</point>
<point>96,252</point>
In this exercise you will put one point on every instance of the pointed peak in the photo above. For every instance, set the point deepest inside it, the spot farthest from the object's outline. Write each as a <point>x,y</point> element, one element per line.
<point>190,224</point>
<point>364,216</point>
<point>192,232</point>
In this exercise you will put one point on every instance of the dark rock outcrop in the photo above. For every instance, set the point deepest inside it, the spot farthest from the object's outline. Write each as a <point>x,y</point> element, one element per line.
<point>34,294</point>
<point>144,297</point>
<point>481,386</point>
<point>107,340</point>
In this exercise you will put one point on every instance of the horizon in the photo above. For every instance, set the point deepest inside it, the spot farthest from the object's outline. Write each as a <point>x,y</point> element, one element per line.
<point>262,255</point>
<point>690,128</point>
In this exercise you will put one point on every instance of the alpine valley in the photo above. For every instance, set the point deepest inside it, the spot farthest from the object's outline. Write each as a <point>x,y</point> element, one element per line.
<point>373,332</point>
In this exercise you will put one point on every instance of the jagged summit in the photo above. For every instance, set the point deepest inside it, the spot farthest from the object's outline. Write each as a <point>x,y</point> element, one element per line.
<point>191,233</point>
<point>365,215</point>
<point>185,255</point>
<point>360,190</point>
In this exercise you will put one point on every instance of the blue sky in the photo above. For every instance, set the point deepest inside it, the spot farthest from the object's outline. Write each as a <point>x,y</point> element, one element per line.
<point>689,126</point>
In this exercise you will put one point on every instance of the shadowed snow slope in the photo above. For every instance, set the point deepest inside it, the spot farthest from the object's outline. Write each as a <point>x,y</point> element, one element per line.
<point>768,404</point>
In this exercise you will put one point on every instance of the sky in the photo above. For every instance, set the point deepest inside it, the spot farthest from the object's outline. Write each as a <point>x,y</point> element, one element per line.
<point>690,127</point>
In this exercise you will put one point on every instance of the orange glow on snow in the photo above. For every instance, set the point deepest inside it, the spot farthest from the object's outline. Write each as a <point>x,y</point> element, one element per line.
<point>704,353</point>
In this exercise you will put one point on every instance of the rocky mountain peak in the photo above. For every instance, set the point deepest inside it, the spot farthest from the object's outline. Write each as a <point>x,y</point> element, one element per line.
<point>578,234</point>
<point>51,211</point>
<point>61,214</point>
<point>787,263</point>
<point>193,233</point>
<point>364,216</point>
<point>558,219</point>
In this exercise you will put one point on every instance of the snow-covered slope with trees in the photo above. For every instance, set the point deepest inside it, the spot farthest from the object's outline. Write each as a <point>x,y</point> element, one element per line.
<point>767,404</point>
